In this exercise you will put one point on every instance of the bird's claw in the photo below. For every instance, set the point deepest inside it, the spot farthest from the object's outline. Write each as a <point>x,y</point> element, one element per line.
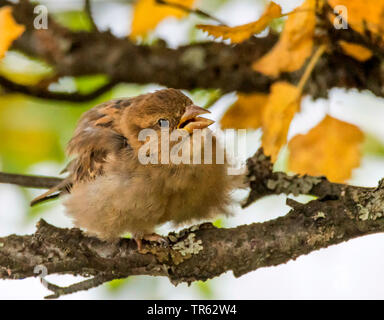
<point>156,238</point>
<point>164,242</point>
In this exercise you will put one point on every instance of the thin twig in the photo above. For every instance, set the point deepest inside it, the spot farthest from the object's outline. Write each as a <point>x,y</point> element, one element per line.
<point>29,181</point>
<point>80,286</point>
<point>38,92</point>
<point>189,10</point>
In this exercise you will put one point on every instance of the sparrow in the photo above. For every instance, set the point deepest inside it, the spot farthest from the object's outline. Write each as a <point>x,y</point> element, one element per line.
<point>109,191</point>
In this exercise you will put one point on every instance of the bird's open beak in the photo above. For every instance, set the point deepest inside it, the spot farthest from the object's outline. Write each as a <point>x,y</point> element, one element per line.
<point>190,120</point>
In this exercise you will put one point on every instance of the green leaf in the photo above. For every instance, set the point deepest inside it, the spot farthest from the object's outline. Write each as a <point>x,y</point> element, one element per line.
<point>218,223</point>
<point>205,289</point>
<point>373,146</point>
<point>22,69</point>
<point>117,284</point>
<point>74,20</point>
<point>87,84</point>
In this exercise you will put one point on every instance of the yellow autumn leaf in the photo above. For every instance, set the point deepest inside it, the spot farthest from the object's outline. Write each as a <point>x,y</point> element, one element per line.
<point>10,30</point>
<point>148,14</point>
<point>356,51</point>
<point>295,43</point>
<point>331,149</point>
<point>24,136</point>
<point>283,103</point>
<point>361,15</point>
<point>246,112</point>
<point>240,33</point>
<point>27,143</point>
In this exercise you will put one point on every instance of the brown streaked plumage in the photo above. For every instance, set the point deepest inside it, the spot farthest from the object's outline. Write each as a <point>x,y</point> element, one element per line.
<point>109,192</point>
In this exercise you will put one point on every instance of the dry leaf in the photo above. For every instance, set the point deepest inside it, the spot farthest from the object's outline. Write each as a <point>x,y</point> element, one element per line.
<point>148,14</point>
<point>240,33</point>
<point>10,30</point>
<point>295,43</point>
<point>356,51</point>
<point>283,103</point>
<point>361,15</point>
<point>246,113</point>
<point>331,149</point>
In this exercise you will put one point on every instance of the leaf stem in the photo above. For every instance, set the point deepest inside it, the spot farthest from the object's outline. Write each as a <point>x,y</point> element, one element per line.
<point>311,65</point>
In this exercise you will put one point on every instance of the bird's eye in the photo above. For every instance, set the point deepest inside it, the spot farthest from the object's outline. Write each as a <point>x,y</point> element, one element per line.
<point>163,123</point>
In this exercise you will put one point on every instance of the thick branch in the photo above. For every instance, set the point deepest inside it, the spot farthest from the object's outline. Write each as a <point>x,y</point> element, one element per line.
<point>204,65</point>
<point>202,252</point>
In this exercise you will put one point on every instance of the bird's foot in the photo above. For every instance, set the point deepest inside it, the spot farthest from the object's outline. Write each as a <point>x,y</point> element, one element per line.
<point>153,237</point>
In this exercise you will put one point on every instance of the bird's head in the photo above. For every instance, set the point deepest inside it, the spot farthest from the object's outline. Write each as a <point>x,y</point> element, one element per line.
<point>164,109</point>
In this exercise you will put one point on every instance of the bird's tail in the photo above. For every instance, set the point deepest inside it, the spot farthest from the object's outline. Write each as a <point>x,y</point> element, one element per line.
<point>52,193</point>
<point>49,195</point>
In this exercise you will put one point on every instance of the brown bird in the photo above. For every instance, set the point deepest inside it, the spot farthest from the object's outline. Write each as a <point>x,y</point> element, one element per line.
<point>109,191</point>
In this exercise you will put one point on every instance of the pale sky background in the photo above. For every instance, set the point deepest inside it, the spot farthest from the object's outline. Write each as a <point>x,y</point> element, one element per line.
<point>350,270</point>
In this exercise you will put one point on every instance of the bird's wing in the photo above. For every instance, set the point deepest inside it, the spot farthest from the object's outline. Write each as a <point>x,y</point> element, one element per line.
<point>96,137</point>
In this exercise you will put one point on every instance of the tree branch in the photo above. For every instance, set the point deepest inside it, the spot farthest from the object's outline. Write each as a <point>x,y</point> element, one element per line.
<point>80,286</point>
<point>29,181</point>
<point>204,65</point>
<point>42,93</point>
<point>202,252</point>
